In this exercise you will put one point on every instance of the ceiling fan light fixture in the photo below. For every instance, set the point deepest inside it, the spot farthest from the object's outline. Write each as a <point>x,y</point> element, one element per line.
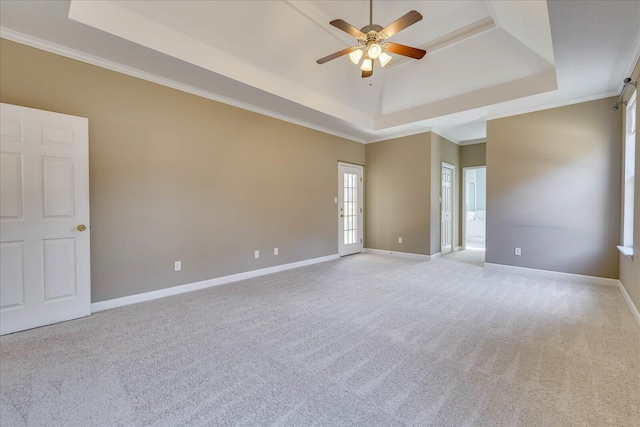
<point>374,50</point>
<point>367,64</point>
<point>384,58</point>
<point>355,56</point>
<point>371,42</point>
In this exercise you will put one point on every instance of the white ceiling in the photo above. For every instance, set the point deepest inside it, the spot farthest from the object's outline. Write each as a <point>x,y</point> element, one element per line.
<point>485,59</point>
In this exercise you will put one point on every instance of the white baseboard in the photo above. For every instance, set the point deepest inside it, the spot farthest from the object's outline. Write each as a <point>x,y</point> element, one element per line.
<point>551,274</point>
<point>175,290</point>
<point>399,254</point>
<point>436,255</point>
<point>634,310</point>
<point>458,248</point>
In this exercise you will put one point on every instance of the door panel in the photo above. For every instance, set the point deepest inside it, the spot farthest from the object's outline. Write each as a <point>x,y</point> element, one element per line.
<point>11,200</point>
<point>350,192</point>
<point>59,187</point>
<point>45,197</point>
<point>59,268</point>
<point>11,271</point>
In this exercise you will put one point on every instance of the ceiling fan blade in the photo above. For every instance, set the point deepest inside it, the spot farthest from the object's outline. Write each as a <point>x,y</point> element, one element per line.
<point>369,73</point>
<point>347,28</point>
<point>334,55</point>
<point>403,50</point>
<point>402,23</point>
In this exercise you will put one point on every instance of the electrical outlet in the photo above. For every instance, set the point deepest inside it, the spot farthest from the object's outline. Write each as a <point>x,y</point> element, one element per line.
<point>275,251</point>
<point>518,251</point>
<point>177,266</point>
<point>399,239</point>
<point>256,254</point>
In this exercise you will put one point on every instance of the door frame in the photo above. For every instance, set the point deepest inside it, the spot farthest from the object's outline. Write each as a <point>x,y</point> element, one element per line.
<point>453,204</point>
<point>361,204</point>
<point>464,204</point>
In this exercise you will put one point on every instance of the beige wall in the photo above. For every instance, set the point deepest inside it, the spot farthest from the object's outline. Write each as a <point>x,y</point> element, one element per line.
<point>178,177</point>
<point>402,191</point>
<point>553,189</point>
<point>630,269</point>
<point>397,194</point>
<point>443,150</point>
<point>473,155</point>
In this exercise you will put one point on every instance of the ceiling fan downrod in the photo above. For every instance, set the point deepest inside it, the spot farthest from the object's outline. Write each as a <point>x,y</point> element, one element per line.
<point>370,12</point>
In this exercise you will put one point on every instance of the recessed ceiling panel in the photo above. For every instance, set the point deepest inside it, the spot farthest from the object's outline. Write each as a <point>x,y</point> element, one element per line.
<point>273,46</point>
<point>456,70</point>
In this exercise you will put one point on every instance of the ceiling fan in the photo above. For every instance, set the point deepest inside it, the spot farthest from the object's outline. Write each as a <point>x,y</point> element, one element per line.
<point>372,43</point>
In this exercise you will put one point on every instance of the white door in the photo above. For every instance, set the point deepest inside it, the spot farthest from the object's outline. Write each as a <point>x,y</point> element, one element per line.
<point>350,185</point>
<point>447,210</point>
<point>44,218</point>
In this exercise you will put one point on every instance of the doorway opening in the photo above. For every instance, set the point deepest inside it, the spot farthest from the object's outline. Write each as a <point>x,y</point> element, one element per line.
<point>474,217</point>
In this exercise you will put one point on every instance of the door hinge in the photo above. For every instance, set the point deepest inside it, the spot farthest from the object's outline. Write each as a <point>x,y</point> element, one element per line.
<point>360,210</point>
<point>360,240</point>
<point>360,179</point>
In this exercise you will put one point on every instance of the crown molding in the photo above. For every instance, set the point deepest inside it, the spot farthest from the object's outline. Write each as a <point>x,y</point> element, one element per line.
<point>473,142</point>
<point>635,57</point>
<point>400,135</point>
<point>446,136</point>
<point>551,105</point>
<point>57,49</point>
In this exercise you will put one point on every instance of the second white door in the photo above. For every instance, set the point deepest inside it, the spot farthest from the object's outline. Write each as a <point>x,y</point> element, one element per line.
<point>446,227</point>
<point>350,194</point>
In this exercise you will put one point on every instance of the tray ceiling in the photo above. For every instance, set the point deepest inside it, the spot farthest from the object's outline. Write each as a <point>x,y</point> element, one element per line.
<point>485,58</point>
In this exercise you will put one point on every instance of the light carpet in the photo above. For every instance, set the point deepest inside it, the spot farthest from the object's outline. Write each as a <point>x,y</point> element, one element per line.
<point>364,340</point>
<point>472,256</point>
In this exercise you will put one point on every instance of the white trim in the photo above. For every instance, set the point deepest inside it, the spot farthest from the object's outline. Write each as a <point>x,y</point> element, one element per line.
<point>473,141</point>
<point>626,251</point>
<point>632,306</point>
<point>436,255</point>
<point>402,254</point>
<point>551,105</point>
<point>398,135</point>
<point>548,274</point>
<point>443,134</point>
<point>181,289</point>
<point>57,49</point>
<point>458,248</point>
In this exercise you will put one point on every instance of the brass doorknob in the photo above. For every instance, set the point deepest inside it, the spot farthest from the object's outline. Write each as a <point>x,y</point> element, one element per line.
<point>82,227</point>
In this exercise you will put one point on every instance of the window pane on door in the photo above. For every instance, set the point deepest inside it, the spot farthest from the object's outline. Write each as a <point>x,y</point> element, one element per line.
<point>350,208</point>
